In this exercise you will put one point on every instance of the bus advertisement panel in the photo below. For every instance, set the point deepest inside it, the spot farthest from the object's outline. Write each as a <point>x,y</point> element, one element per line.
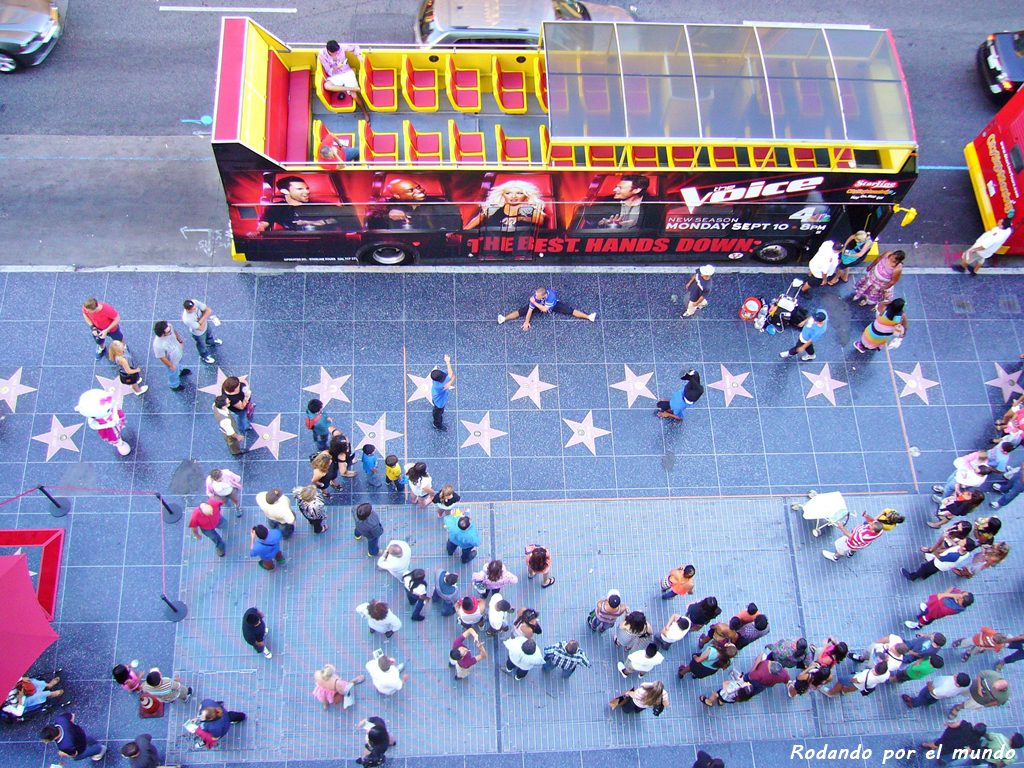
<point>394,217</point>
<point>995,162</point>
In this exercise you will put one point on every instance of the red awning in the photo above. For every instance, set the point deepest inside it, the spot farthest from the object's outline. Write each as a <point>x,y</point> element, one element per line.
<point>25,631</point>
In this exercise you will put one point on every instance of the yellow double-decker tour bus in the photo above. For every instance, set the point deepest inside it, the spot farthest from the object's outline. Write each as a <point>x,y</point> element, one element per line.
<point>620,143</point>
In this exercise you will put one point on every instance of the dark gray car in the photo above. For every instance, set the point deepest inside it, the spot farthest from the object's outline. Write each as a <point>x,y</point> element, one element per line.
<point>29,29</point>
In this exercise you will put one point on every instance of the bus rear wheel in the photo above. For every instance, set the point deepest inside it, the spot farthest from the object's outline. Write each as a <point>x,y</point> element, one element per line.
<point>387,254</point>
<point>777,252</point>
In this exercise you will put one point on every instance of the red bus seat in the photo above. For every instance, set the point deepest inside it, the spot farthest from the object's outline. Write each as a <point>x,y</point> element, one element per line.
<point>419,86</point>
<point>602,156</point>
<point>465,147</point>
<point>509,86</point>
<point>297,133</point>
<point>463,87</point>
<point>377,147</point>
<point>560,155</point>
<point>643,156</point>
<point>512,149</point>
<point>379,83</point>
<point>320,136</point>
<point>422,147</point>
<point>335,102</point>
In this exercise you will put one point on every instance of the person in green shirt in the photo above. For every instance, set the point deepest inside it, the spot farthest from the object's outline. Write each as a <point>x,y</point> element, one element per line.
<point>1001,750</point>
<point>989,689</point>
<point>920,669</point>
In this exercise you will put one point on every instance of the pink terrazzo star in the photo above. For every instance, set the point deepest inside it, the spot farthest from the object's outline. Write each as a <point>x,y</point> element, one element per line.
<point>1008,383</point>
<point>270,436</point>
<point>329,387</point>
<point>481,433</point>
<point>58,438</point>
<point>823,384</point>
<point>914,383</point>
<point>731,385</point>
<point>11,389</point>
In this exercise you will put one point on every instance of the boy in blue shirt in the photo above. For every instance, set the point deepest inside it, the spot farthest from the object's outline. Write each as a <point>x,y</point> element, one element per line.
<point>811,329</point>
<point>319,423</point>
<point>266,545</point>
<point>440,390</point>
<point>370,465</point>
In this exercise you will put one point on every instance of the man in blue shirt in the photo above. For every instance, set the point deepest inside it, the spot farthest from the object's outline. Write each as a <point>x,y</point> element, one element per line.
<point>440,391</point>
<point>545,300</point>
<point>682,398</point>
<point>462,534</point>
<point>266,545</point>
<point>811,329</point>
<point>71,740</point>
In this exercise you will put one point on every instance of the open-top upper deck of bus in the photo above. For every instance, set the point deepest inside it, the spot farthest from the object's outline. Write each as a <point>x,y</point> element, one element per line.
<point>591,96</point>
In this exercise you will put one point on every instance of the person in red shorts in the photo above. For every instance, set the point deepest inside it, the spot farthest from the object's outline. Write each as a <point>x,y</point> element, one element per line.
<point>104,321</point>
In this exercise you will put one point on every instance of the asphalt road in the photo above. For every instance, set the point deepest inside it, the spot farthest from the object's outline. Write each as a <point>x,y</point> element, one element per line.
<point>100,125</point>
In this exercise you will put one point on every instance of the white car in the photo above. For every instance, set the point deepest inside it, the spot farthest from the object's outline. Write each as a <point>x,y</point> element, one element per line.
<point>502,22</point>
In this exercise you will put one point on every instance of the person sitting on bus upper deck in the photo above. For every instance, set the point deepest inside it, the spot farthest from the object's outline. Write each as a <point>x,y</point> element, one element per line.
<point>985,246</point>
<point>408,206</point>
<point>335,150</point>
<point>287,216</point>
<point>627,203</point>
<point>339,77</point>
<point>855,250</point>
<point>514,206</point>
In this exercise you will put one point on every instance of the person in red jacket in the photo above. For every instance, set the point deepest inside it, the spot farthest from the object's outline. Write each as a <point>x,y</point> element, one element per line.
<point>940,605</point>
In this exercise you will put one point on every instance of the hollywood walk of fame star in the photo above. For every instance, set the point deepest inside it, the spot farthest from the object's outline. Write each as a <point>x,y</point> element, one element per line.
<point>11,389</point>
<point>270,436</point>
<point>481,433</point>
<point>914,383</point>
<point>423,385</point>
<point>376,434</point>
<point>823,384</point>
<point>329,388</point>
<point>58,437</point>
<point>731,385</point>
<point>585,433</point>
<point>116,389</point>
<point>215,389</point>
<point>531,386</point>
<point>1008,383</point>
<point>634,386</point>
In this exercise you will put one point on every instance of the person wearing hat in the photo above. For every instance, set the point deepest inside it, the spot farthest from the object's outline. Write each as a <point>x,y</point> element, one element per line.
<point>861,536</point>
<point>811,329</point>
<point>855,250</point>
<point>607,612</point>
<point>985,246</point>
<point>697,289</point>
<point>682,398</point>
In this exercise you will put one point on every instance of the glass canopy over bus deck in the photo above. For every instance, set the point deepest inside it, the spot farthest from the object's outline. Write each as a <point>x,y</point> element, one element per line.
<point>737,96</point>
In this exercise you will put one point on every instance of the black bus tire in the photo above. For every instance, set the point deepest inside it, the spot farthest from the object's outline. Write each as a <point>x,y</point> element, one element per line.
<point>777,252</point>
<point>387,254</point>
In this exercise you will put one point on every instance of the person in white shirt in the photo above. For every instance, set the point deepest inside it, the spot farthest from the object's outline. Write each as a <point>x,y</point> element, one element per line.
<point>641,661</point>
<point>380,617</point>
<point>824,263</point>
<point>523,655</point>
<point>499,615</point>
<point>985,246</point>
<point>396,558</point>
<point>939,688</point>
<point>224,484</point>
<point>386,675</point>
<point>890,649</point>
<point>675,629</point>
<point>228,425</point>
<point>868,679</point>
<point>278,509</point>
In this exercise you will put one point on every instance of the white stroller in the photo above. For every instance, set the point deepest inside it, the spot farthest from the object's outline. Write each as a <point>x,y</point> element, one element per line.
<point>783,312</point>
<point>825,509</point>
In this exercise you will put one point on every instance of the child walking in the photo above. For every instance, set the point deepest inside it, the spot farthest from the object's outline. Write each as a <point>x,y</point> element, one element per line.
<point>371,466</point>
<point>319,423</point>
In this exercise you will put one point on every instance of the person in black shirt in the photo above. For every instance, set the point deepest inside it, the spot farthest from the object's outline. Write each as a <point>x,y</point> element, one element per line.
<point>141,753</point>
<point>254,630</point>
<point>296,213</point>
<point>377,741</point>
<point>410,207</point>
<point>683,398</point>
<point>958,735</point>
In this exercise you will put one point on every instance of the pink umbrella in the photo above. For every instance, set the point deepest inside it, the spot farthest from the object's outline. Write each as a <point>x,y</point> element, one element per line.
<point>25,631</point>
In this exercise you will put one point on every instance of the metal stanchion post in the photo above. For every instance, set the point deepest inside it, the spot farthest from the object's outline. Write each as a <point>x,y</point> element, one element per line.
<point>61,506</point>
<point>171,512</point>
<point>174,610</point>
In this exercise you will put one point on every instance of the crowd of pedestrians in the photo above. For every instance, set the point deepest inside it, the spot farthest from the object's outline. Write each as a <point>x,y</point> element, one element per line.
<point>491,607</point>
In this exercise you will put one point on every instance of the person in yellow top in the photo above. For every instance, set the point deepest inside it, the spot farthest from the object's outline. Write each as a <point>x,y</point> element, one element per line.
<point>393,474</point>
<point>678,582</point>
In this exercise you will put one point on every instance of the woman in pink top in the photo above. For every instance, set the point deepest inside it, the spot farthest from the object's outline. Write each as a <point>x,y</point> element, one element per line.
<point>331,689</point>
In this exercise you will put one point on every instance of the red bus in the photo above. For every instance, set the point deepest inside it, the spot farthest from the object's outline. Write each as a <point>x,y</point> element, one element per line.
<point>995,162</point>
<point>607,143</point>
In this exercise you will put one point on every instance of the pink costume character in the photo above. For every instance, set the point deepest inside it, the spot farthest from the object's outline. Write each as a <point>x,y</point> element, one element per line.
<point>331,689</point>
<point>105,416</point>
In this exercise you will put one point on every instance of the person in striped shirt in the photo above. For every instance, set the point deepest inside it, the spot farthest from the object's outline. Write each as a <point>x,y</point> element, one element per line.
<point>165,689</point>
<point>861,536</point>
<point>566,655</point>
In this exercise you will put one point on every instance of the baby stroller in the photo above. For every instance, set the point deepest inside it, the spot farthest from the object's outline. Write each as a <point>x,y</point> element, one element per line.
<point>782,313</point>
<point>825,509</point>
<point>14,711</point>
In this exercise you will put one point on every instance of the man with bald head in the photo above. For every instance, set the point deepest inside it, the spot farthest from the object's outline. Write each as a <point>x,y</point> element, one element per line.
<point>405,204</point>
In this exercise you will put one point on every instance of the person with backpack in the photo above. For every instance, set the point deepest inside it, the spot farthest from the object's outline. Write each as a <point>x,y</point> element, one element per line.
<point>318,423</point>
